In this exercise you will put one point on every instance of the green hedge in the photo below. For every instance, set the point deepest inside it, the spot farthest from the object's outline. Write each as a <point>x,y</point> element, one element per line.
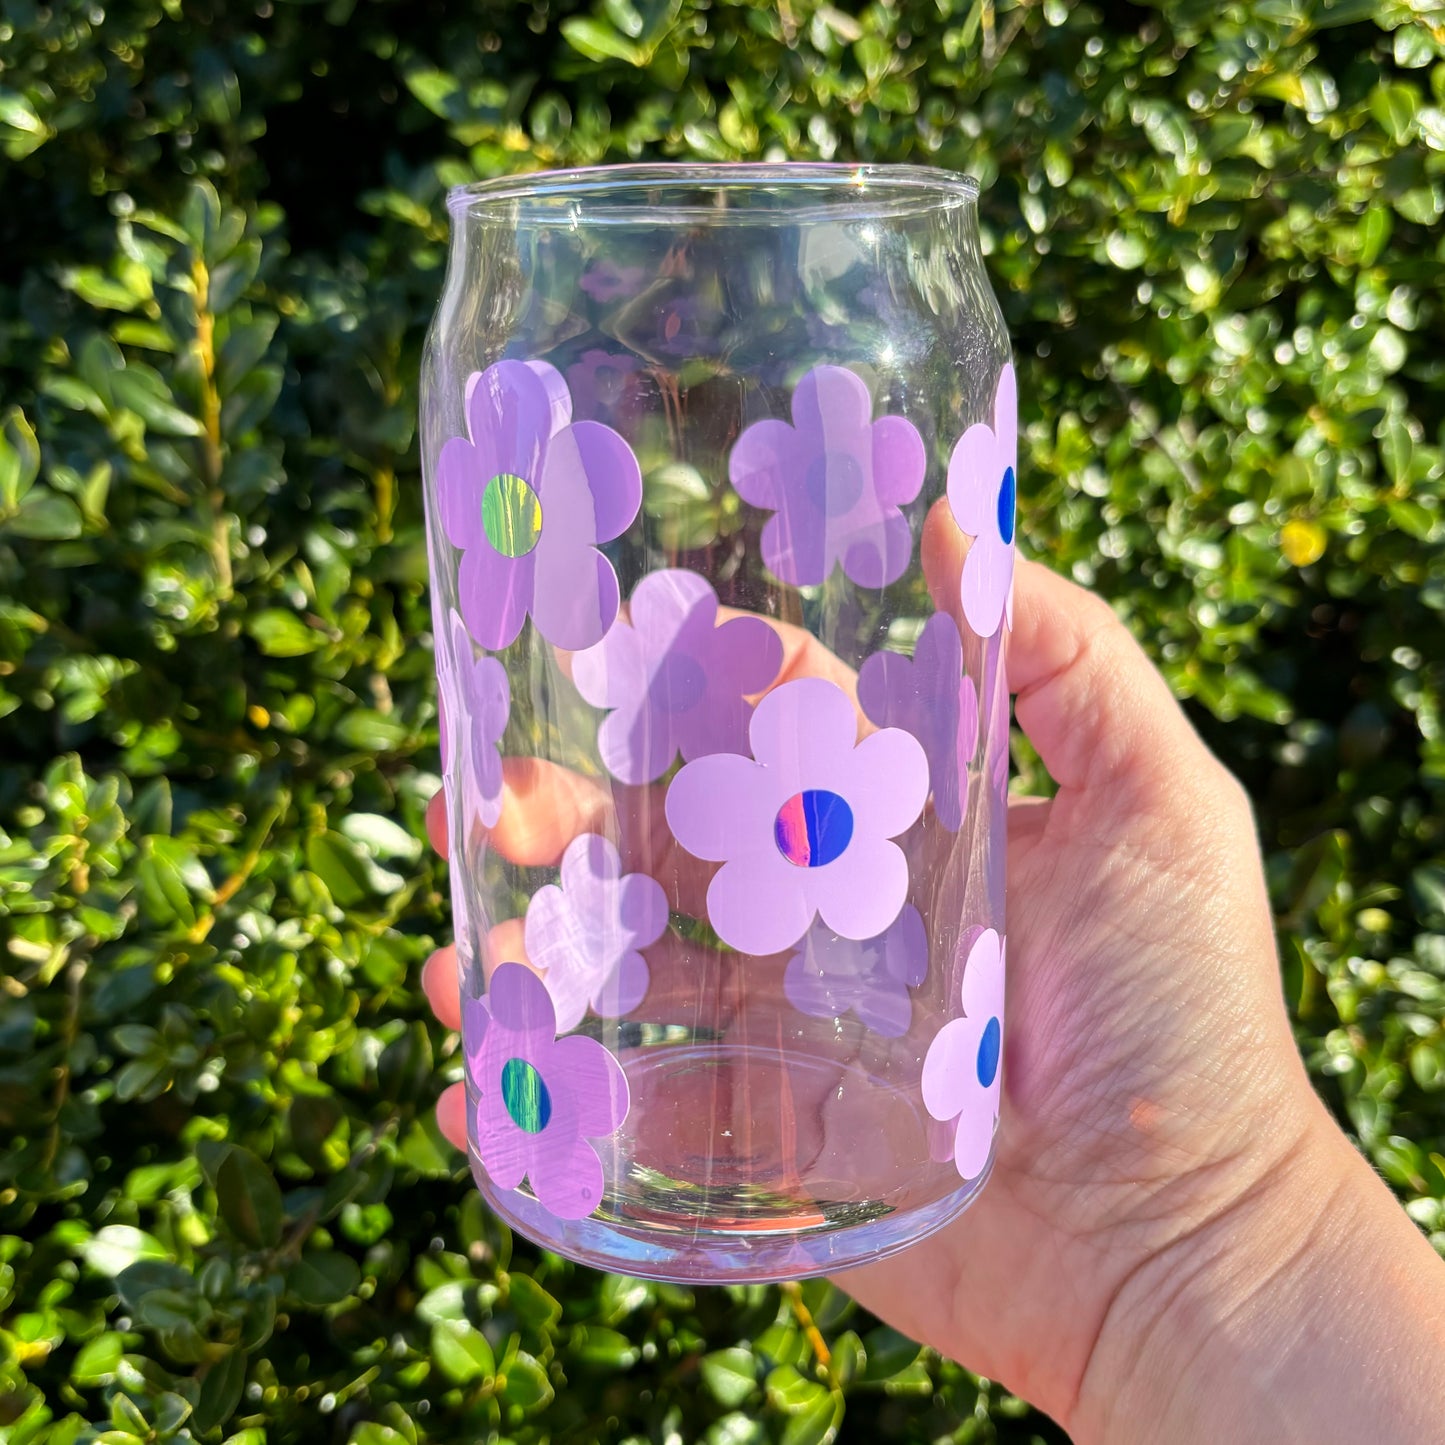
<point>225,1212</point>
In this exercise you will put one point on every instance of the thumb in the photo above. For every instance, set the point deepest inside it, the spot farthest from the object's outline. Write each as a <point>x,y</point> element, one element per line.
<point>1096,709</point>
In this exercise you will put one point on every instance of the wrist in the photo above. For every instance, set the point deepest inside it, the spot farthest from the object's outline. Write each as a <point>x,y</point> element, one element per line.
<point>1260,1321</point>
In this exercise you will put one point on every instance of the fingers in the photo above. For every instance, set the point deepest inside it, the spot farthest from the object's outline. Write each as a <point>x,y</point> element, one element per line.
<point>1097,710</point>
<point>452,1115</point>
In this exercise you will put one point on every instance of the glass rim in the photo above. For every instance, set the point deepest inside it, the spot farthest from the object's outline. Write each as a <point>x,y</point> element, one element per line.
<point>620,193</point>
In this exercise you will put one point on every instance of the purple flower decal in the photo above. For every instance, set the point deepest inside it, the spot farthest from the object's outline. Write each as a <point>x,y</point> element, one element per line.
<point>473,703</point>
<point>585,934</point>
<point>930,697</point>
<point>802,828</point>
<point>982,492</point>
<point>830,975</point>
<point>834,480</point>
<point>540,1098</point>
<point>600,382</point>
<point>961,1074</point>
<point>606,281</point>
<point>527,499</point>
<point>675,680</point>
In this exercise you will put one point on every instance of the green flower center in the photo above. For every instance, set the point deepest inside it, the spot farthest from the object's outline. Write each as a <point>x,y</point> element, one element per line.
<point>511,515</point>
<point>525,1095</point>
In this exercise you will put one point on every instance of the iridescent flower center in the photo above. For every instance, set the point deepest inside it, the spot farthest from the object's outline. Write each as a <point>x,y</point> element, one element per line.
<point>988,1051</point>
<point>678,684</point>
<point>525,1095</point>
<point>834,483</point>
<point>813,828</point>
<point>1007,501</point>
<point>511,515</point>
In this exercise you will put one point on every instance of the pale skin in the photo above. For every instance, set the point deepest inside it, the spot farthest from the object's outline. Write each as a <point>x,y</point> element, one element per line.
<point>1177,1243</point>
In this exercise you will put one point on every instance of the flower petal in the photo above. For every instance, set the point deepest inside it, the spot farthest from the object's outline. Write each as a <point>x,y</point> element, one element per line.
<point>807,727</point>
<point>860,894</point>
<point>611,472</point>
<point>520,1003</point>
<point>558,397</point>
<point>757,903</point>
<point>567,1179</point>
<point>976,1126</point>
<point>974,472</point>
<point>950,1069</point>
<point>503,1148</point>
<point>880,556</point>
<point>496,593</point>
<point>576,593</point>
<point>760,462</point>
<point>720,806</point>
<point>557,943</point>
<point>886,783</point>
<point>899,460</point>
<point>988,572</point>
<point>586,1073</point>
<point>613,673</point>
<point>983,978</point>
<point>624,988</point>
<point>510,418</point>
<point>642,910</point>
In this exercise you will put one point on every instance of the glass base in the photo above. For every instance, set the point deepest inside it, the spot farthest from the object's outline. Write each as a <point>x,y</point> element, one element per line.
<point>707,1192</point>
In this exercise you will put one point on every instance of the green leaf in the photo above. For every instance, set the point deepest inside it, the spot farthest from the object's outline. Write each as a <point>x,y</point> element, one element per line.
<point>731,1375</point>
<point>527,1385</point>
<point>97,1360</point>
<point>602,1348</point>
<point>141,390</point>
<point>1397,447</point>
<point>113,1248</point>
<point>789,1389</point>
<point>599,41</point>
<point>323,1277</point>
<point>461,1352</point>
<point>1394,106</point>
<point>532,1303</point>
<point>45,517</point>
<point>280,633</point>
<point>889,1353</point>
<point>250,1199</point>
<point>1430,122</point>
<point>817,1422</point>
<point>335,860</point>
<point>19,458</point>
<point>221,1388</point>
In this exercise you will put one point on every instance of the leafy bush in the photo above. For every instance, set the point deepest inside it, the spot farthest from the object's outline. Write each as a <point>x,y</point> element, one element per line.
<point>226,1212</point>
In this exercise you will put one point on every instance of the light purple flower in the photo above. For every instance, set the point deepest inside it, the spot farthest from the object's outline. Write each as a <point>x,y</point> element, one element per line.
<point>600,382</point>
<point>982,492</point>
<point>585,934</point>
<point>527,499</point>
<point>540,1098</point>
<point>605,280</point>
<point>830,975</point>
<point>802,828</point>
<point>675,680</point>
<point>473,704</point>
<point>963,1069</point>
<point>931,697</point>
<point>834,480</point>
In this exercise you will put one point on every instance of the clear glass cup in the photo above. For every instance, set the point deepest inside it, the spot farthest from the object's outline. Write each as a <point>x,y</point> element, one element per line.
<point>720,487</point>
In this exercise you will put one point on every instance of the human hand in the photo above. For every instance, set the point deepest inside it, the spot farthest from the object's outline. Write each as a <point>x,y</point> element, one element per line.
<point>1153,1094</point>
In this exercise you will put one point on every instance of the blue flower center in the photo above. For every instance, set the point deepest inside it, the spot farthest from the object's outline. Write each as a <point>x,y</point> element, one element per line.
<point>813,828</point>
<point>511,515</point>
<point>678,684</point>
<point>1007,502</point>
<point>834,483</point>
<point>988,1051</point>
<point>525,1095</point>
